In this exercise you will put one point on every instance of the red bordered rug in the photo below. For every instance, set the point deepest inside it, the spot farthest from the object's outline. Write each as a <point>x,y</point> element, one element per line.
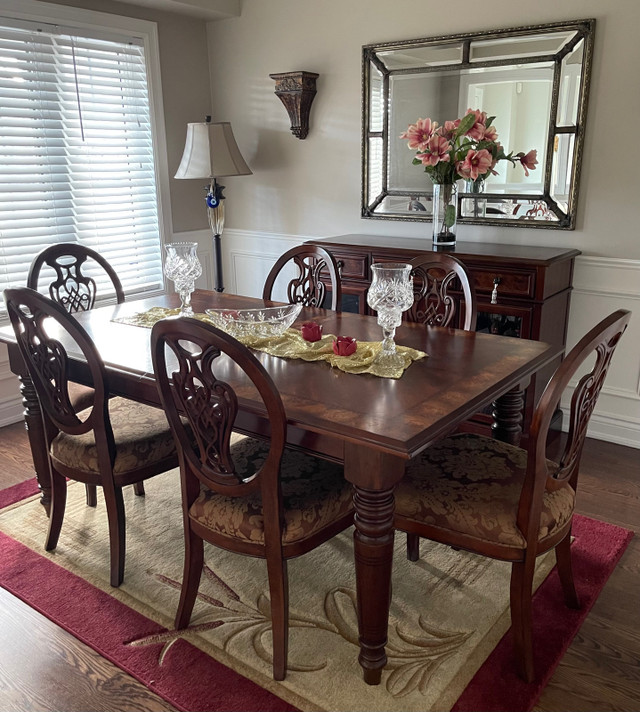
<point>192,680</point>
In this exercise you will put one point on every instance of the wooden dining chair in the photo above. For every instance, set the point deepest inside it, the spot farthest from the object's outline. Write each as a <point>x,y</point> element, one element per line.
<point>113,443</point>
<point>435,275</point>
<point>247,496</point>
<point>476,493</point>
<point>71,286</point>
<point>307,287</point>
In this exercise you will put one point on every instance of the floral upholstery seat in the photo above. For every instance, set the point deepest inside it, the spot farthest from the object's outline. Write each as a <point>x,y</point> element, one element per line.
<point>314,491</point>
<point>471,484</point>
<point>141,433</point>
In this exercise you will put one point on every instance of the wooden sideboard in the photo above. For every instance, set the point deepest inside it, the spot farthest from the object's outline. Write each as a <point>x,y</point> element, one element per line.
<point>531,299</point>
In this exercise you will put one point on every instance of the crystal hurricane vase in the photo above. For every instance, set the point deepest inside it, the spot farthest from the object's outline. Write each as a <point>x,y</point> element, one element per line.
<point>182,267</point>
<point>390,294</point>
<point>475,207</point>
<point>445,214</point>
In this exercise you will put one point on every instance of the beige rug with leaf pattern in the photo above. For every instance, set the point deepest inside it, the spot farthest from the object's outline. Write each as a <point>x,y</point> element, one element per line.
<point>449,609</point>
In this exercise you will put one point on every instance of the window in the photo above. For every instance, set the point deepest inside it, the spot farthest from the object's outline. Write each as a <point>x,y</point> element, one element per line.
<point>76,151</point>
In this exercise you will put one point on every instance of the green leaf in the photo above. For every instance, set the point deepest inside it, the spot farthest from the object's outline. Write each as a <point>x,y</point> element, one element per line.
<point>450,216</point>
<point>465,124</point>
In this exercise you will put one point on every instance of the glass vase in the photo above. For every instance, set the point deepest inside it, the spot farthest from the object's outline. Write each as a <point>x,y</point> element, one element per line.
<point>445,214</point>
<point>475,207</point>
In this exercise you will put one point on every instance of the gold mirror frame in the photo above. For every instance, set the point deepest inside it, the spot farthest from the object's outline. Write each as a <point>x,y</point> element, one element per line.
<point>561,51</point>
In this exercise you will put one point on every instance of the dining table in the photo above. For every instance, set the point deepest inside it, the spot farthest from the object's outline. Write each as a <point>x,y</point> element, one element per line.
<point>372,425</point>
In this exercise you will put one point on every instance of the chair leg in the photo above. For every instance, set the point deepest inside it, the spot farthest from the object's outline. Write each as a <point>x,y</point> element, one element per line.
<point>565,571</point>
<point>279,592</point>
<point>138,488</point>
<point>115,515</point>
<point>193,562</point>
<point>413,547</point>
<point>58,505</point>
<point>521,618</point>
<point>92,495</point>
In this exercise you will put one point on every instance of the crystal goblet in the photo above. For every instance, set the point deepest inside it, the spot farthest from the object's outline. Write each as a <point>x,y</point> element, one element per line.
<point>182,267</point>
<point>390,294</point>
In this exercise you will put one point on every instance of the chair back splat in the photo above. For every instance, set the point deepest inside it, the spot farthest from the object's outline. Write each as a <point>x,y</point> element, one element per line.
<point>509,503</point>
<point>72,287</point>
<point>314,265</point>
<point>435,276</point>
<point>111,443</point>
<point>250,496</point>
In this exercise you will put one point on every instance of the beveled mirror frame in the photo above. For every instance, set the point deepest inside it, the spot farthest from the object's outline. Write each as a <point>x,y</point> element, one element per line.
<point>380,200</point>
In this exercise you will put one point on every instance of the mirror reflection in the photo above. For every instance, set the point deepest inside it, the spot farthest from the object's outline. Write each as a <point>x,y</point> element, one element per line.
<point>534,81</point>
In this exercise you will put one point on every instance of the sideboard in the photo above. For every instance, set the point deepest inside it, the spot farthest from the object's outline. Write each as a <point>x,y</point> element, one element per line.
<point>522,292</point>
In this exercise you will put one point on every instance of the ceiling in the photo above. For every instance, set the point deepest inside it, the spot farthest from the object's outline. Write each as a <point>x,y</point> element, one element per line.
<point>206,9</point>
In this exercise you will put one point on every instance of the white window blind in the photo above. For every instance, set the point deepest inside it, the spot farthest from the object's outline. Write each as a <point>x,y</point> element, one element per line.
<point>76,153</point>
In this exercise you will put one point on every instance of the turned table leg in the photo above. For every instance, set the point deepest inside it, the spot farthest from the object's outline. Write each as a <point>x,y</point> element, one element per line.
<point>507,416</point>
<point>373,550</point>
<point>37,440</point>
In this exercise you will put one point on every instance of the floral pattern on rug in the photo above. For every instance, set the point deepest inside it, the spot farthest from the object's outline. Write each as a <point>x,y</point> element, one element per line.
<point>413,656</point>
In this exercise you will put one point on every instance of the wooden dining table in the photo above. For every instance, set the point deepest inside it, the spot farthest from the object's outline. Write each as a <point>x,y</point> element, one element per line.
<point>372,425</point>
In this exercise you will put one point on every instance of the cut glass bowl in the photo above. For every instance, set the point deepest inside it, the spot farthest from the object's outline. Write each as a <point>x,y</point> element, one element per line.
<point>261,323</point>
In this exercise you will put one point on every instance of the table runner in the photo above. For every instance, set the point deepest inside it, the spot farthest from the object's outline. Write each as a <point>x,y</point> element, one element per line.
<point>292,345</point>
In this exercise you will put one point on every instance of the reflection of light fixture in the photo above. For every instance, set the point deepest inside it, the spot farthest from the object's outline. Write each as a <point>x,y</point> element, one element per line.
<point>211,152</point>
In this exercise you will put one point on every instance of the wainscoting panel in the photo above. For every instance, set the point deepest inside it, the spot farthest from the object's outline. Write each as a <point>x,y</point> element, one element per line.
<point>602,285</point>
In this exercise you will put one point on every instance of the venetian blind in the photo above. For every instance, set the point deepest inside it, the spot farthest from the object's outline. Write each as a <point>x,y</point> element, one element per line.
<point>76,153</point>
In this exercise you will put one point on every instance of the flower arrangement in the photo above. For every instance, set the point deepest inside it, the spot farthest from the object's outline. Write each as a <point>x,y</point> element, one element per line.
<point>467,148</point>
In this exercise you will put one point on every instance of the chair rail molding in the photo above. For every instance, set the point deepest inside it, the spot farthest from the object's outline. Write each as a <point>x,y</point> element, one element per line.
<point>602,285</point>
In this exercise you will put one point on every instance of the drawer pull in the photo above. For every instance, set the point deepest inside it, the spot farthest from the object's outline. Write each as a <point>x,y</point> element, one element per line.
<point>340,264</point>
<point>494,293</point>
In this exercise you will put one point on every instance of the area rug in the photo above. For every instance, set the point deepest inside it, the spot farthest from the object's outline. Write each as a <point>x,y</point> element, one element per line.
<point>449,613</point>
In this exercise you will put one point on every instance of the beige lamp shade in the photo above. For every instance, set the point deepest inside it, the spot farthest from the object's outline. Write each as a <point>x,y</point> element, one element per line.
<point>211,151</point>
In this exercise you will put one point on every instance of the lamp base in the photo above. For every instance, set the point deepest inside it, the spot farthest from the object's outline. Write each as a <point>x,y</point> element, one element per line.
<point>217,251</point>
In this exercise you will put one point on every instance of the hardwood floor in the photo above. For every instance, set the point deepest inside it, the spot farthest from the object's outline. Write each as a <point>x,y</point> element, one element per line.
<point>45,669</point>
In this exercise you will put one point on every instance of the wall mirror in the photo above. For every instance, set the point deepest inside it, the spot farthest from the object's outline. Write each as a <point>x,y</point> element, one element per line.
<point>534,80</point>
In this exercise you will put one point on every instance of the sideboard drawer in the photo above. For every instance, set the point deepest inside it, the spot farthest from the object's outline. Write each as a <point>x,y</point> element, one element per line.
<point>513,283</point>
<point>353,266</point>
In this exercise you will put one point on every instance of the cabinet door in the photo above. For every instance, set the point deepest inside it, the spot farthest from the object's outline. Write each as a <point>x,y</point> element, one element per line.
<point>354,298</point>
<point>504,319</point>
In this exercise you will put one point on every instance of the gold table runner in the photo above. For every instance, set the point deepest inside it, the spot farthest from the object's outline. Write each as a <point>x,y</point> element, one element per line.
<point>292,345</point>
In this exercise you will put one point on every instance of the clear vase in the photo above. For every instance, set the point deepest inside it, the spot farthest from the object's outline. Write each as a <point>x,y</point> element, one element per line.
<point>475,207</point>
<point>445,214</point>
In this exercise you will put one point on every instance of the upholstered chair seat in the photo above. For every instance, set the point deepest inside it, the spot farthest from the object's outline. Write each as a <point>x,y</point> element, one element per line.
<point>314,494</point>
<point>471,484</point>
<point>142,437</point>
<point>504,502</point>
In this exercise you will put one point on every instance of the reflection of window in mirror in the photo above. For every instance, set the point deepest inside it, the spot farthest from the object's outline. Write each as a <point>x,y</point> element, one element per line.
<point>520,99</point>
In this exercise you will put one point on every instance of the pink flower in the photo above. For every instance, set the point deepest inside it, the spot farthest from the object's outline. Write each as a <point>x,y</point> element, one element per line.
<point>344,345</point>
<point>448,129</point>
<point>476,132</point>
<point>490,134</point>
<point>437,150</point>
<point>419,133</point>
<point>311,331</point>
<point>529,160</point>
<point>475,164</point>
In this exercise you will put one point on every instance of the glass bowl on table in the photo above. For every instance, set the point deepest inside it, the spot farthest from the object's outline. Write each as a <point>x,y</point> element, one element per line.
<point>262,322</point>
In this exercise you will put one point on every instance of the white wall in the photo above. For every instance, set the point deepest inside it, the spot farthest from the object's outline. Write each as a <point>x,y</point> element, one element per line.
<point>311,188</point>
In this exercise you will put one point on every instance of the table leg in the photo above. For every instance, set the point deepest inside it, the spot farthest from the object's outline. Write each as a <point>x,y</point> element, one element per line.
<point>507,416</point>
<point>372,474</point>
<point>37,440</point>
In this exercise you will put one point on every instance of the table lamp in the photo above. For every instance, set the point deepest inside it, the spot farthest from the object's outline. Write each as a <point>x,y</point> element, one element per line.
<point>211,152</point>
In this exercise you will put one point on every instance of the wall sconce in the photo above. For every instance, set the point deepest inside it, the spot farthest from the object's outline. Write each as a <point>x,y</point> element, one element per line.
<point>296,91</point>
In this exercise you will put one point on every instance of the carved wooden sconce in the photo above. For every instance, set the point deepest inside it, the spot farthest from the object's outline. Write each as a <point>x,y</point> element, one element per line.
<point>296,91</point>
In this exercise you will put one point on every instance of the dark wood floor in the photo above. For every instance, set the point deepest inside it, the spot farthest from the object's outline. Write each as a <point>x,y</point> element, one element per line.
<point>43,668</point>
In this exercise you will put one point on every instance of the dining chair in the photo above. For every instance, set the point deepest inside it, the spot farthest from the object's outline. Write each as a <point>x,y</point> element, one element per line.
<point>434,275</point>
<point>244,495</point>
<point>497,500</point>
<point>308,287</point>
<point>113,443</point>
<point>67,264</point>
